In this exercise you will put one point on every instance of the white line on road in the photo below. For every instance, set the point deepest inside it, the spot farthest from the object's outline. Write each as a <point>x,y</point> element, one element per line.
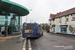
<point>24,45</point>
<point>29,44</point>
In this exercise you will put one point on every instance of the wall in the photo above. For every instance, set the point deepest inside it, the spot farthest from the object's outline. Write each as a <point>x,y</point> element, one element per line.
<point>70,21</point>
<point>63,19</point>
<point>57,21</point>
<point>70,30</point>
<point>55,29</point>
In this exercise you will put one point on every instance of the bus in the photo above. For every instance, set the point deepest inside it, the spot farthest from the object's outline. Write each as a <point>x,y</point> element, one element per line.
<point>31,30</point>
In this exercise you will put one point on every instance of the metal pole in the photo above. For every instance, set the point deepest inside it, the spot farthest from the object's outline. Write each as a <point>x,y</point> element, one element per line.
<point>26,19</point>
<point>6,23</point>
<point>26,16</point>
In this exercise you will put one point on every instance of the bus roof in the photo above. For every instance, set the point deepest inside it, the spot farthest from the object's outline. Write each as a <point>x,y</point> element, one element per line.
<point>30,23</point>
<point>33,23</point>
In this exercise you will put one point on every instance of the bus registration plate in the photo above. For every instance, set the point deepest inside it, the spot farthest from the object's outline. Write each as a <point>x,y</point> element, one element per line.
<point>28,35</point>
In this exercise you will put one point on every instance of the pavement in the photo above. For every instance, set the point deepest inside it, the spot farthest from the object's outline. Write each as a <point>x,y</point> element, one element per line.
<point>9,37</point>
<point>63,34</point>
<point>12,44</point>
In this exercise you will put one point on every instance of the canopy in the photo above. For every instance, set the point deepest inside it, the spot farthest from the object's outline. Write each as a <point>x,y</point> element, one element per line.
<point>8,6</point>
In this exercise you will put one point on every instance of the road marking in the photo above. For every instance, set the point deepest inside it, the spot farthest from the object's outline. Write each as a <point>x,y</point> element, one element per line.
<point>24,45</point>
<point>29,44</point>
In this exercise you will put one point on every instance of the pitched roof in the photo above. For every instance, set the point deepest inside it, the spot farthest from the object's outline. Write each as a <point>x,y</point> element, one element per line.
<point>52,16</point>
<point>64,13</point>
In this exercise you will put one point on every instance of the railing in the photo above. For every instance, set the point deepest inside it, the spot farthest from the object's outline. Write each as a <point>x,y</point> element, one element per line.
<point>16,33</point>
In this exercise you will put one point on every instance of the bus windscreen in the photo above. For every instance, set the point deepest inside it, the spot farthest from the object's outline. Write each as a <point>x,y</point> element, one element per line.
<point>29,26</point>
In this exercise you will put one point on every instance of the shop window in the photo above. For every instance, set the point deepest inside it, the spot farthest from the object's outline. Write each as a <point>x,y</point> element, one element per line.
<point>53,29</point>
<point>2,20</point>
<point>13,20</point>
<point>73,16</point>
<point>66,18</point>
<point>17,21</point>
<point>16,29</point>
<point>63,28</point>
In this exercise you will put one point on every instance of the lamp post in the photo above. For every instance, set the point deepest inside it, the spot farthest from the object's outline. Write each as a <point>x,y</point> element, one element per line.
<point>26,19</point>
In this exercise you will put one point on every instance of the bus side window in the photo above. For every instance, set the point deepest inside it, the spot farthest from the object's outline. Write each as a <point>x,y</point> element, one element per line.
<point>37,27</point>
<point>40,29</point>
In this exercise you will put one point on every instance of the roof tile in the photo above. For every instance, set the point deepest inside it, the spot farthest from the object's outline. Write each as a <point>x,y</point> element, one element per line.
<point>64,13</point>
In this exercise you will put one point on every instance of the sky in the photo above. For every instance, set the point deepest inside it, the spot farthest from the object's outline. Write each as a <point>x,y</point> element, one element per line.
<point>40,9</point>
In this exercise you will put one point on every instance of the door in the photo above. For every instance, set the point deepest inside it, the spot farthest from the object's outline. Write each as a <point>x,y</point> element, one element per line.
<point>64,29</point>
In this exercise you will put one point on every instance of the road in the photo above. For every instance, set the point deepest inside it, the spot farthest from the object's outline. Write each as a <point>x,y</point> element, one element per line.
<point>46,42</point>
<point>53,42</point>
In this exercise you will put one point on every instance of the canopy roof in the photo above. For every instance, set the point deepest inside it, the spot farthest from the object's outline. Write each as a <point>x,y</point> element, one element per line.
<point>8,6</point>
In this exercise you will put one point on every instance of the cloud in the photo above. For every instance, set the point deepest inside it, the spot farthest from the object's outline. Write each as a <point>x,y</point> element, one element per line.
<point>41,9</point>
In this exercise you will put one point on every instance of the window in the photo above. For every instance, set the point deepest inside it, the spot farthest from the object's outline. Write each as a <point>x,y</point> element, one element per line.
<point>73,16</point>
<point>29,26</point>
<point>53,21</point>
<point>66,18</point>
<point>2,20</point>
<point>59,20</point>
<point>53,29</point>
<point>63,28</point>
<point>39,28</point>
<point>50,23</point>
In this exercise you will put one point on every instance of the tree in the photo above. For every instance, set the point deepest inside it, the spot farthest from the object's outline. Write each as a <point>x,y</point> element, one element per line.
<point>44,25</point>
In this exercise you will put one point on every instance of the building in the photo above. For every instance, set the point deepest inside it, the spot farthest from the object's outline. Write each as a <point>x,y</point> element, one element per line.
<point>63,22</point>
<point>10,15</point>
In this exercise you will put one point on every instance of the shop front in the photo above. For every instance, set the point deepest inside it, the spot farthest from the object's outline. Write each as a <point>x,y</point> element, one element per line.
<point>63,28</point>
<point>10,14</point>
<point>9,23</point>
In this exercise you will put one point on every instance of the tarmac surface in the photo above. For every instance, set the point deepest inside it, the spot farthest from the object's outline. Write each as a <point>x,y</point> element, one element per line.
<point>53,42</point>
<point>46,42</point>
